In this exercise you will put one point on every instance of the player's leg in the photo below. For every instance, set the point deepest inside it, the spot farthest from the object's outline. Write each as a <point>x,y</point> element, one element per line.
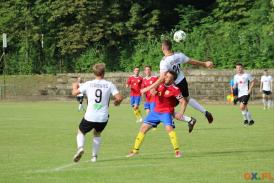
<point>183,86</point>
<point>84,127</point>
<point>190,120</point>
<point>150,121</point>
<point>264,100</point>
<point>243,111</point>
<point>139,139</point>
<point>98,128</point>
<point>269,102</point>
<point>168,122</point>
<point>136,109</point>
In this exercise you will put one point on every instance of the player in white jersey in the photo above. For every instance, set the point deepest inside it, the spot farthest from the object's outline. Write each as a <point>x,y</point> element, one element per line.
<point>244,82</point>
<point>266,89</point>
<point>173,61</point>
<point>80,96</point>
<point>96,117</point>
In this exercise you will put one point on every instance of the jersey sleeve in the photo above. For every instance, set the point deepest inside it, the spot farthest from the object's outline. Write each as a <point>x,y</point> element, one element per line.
<point>163,67</point>
<point>129,81</point>
<point>177,93</point>
<point>270,78</point>
<point>114,90</point>
<point>183,58</point>
<point>83,88</point>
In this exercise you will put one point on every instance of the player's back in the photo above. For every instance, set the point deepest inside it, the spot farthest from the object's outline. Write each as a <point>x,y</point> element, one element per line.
<point>98,93</point>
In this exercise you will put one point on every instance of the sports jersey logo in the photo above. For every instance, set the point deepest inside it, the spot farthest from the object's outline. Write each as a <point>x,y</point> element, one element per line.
<point>97,106</point>
<point>167,92</point>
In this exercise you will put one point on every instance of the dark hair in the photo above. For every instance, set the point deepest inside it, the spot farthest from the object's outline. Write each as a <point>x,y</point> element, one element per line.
<point>239,64</point>
<point>99,69</point>
<point>167,44</point>
<point>149,66</point>
<point>173,73</point>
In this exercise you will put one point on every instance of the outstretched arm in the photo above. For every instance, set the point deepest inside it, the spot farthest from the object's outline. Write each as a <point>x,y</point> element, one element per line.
<point>206,64</point>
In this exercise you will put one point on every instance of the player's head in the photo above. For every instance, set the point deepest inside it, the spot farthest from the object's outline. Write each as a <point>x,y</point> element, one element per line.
<point>147,70</point>
<point>166,45</point>
<point>99,70</point>
<point>239,68</point>
<point>136,71</point>
<point>170,77</point>
<point>265,72</point>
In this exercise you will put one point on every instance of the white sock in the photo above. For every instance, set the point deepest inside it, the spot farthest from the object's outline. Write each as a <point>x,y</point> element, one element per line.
<point>96,145</point>
<point>80,139</point>
<point>184,118</point>
<point>244,115</point>
<point>269,103</point>
<point>79,107</point>
<point>193,103</point>
<point>265,103</point>
<point>248,116</point>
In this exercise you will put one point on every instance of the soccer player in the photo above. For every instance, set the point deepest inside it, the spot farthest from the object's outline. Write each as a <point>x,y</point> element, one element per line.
<point>244,82</point>
<point>166,99</point>
<point>80,96</point>
<point>266,89</point>
<point>134,82</point>
<point>148,80</point>
<point>173,61</point>
<point>96,117</point>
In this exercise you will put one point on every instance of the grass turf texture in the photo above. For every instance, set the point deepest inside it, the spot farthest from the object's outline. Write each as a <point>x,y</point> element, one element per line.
<point>38,143</point>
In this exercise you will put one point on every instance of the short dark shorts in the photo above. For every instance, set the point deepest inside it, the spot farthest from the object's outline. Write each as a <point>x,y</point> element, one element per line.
<point>80,99</point>
<point>183,86</point>
<point>244,99</point>
<point>266,92</point>
<point>86,126</point>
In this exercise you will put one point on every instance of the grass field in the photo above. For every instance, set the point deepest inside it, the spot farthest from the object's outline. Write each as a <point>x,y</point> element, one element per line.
<point>38,143</point>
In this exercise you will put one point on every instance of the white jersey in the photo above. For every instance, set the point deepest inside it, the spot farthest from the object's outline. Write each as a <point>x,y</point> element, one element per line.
<point>173,62</point>
<point>266,80</point>
<point>98,93</point>
<point>80,94</point>
<point>242,82</point>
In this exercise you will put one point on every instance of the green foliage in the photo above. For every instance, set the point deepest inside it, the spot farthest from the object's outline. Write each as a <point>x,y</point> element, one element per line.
<point>127,33</point>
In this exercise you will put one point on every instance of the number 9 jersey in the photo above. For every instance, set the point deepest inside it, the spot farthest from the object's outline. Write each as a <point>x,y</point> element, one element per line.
<point>173,62</point>
<point>98,93</point>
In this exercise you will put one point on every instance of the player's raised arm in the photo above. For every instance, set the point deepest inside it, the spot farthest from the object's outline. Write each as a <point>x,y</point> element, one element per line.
<point>206,64</point>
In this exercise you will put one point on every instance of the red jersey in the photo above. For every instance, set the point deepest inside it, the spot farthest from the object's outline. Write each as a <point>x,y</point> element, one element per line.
<point>147,82</point>
<point>135,85</point>
<point>166,98</point>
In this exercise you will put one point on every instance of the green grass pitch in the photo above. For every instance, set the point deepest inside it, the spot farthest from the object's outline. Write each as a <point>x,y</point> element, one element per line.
<point>38,143</point>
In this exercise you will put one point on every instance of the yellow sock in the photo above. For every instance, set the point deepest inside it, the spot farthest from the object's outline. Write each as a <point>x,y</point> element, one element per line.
<point>138,141</point>
<point>174,140</point>
<point>137,113</point>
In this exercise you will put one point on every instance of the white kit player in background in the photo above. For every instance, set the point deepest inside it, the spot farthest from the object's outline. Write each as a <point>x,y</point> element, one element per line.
<point>244,82</point>
<point>80,96</point>
<point>173,61</point>
<point>96,117</point>
<point>266,89</point>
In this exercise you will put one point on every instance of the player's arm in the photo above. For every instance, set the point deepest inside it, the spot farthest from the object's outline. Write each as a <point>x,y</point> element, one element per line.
<point>75,90</point>
<point>118,99</point>
<point>155,84</point>
<point>261,86</point>
<point>206,64</point>
<point>182,104</point>
<point>252,82</point>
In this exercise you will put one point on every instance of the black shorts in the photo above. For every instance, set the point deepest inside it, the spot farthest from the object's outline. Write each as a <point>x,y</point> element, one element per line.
<point>183,86</point>
<point>86,126</point>
<point>266,92</point>
<point>244,99</point>
<point>80,99</point>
